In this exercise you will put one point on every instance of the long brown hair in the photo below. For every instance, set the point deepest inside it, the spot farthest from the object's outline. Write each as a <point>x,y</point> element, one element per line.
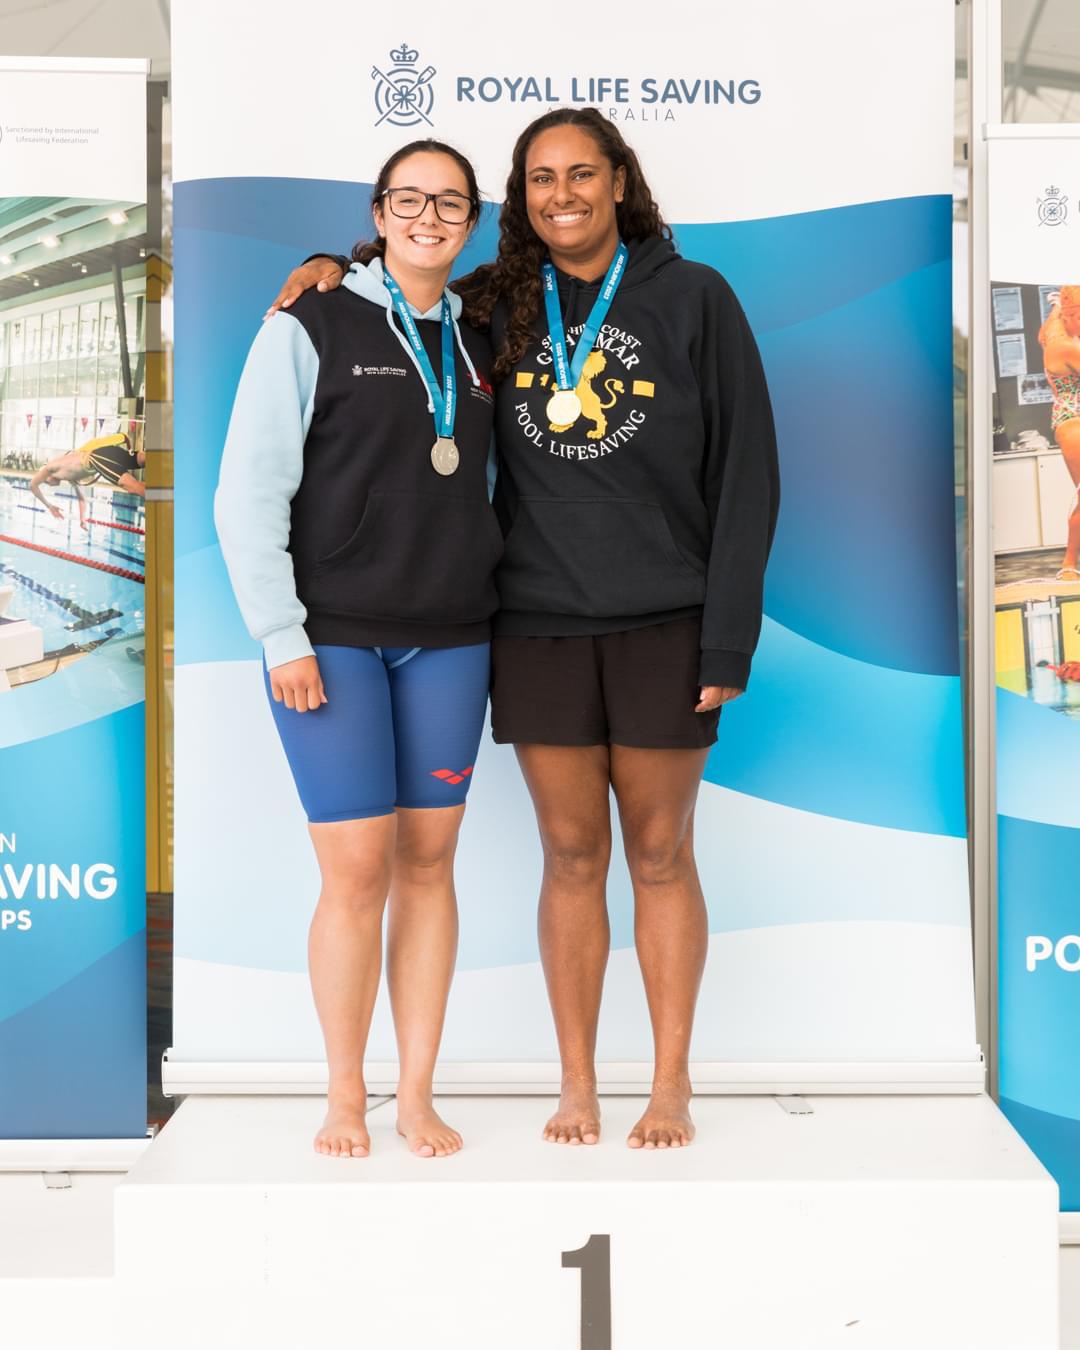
<point>515,274</point>
<point>365,250</point>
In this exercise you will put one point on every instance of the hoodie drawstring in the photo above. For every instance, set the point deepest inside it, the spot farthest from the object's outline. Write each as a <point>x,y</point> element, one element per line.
<point>465,354</point>
<point>407,347</point>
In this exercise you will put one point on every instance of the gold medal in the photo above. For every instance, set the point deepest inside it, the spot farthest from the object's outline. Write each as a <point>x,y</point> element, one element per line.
<point>563,408</point>
<point>444,456</point>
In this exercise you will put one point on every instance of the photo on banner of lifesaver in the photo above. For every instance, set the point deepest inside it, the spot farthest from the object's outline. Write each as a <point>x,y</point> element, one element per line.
<point>72,436</point>
<point>1037,492</point>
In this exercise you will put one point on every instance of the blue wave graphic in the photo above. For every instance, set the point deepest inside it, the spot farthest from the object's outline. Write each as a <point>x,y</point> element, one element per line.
<point>1055,1140</point>
<point>73,1065</point>
<point>1039,1014</point>
<point>821,732</point>
<point>855,684</point>
<point>864,560</point>
<point>788,269</point>
<point>1038,750</point>
<point>76,797</point>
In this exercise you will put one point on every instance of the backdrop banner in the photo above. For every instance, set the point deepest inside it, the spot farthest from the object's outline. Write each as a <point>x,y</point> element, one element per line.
<point>831,826</point>
<point>72,600</point>
<point>1035,266</point>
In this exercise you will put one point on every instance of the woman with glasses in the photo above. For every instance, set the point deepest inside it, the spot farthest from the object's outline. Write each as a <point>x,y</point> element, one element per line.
<point>354,516</point>
<point>638,489</point>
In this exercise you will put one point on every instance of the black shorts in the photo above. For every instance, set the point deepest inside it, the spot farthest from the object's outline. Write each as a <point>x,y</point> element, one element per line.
<point>637,688</point>
<point>111,462</point>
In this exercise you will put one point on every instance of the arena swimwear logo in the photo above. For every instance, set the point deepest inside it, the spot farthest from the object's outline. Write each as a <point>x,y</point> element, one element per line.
<point>1053,207</point>
<point>602,423</point>
<point>452,775</point>
<point>403,97</point>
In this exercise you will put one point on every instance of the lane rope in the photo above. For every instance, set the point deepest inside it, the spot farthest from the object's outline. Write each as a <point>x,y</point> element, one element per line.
<point>72,557</point>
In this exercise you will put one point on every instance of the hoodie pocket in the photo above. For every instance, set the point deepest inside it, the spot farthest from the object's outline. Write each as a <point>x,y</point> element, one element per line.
<point>595,557</point>
<point>430,559</point>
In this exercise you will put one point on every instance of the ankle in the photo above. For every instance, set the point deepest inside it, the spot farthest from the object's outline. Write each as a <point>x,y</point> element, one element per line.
<point>347,1096</point>
<point>579,1080</point>
<point>676,1083</point>
<point>412,1095</point>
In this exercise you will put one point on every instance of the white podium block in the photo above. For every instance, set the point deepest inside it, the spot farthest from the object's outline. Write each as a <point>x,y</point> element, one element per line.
<point>883,1222</point>
<point>20,643</point>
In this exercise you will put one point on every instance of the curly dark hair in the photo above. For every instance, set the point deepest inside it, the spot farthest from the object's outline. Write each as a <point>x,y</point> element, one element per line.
<point>365,250</point>
<point>515,274</point>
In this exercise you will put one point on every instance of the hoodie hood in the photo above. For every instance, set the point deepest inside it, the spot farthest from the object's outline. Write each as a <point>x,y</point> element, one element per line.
<point>647,258</point>
<point>367,281</point>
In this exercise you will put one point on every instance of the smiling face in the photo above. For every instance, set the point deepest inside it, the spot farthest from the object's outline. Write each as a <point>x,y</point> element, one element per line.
<point>571,191</point>
<point>426,243</point>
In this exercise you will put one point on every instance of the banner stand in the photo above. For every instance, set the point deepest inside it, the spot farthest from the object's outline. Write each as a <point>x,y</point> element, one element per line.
<point>192,1077</point>
<point>73,1155</point>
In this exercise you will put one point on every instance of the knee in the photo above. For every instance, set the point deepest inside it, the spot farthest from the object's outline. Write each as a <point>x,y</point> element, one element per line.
<point>358,890</point>
<point>576,859</point>
<point>658,857</point>
<point>425,860</point>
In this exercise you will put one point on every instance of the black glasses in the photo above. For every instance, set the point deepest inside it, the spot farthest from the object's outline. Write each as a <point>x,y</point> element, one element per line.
<point>407,203</point>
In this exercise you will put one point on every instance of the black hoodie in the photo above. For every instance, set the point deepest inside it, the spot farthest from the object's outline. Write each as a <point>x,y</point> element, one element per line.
<point>660,501</point>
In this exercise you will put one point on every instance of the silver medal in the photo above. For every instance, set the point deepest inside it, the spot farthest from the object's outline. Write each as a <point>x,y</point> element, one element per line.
<point>563,408</point>
<point>444,456</point>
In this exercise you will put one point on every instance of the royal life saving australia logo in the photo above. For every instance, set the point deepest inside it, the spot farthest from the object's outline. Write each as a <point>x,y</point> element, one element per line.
<point>405,92</point>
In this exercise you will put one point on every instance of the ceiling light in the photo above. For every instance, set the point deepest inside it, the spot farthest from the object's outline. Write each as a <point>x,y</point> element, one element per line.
<point>6,259</point>
<point>118,217</point>
<point>50,241</point>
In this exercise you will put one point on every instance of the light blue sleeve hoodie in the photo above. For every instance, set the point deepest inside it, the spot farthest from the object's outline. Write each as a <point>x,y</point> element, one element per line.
<point>261,468</point>
<point>263,462</point>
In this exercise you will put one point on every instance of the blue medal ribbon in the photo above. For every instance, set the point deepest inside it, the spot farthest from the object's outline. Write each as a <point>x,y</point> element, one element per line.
<point>444,397</point>
<point>567,372</point>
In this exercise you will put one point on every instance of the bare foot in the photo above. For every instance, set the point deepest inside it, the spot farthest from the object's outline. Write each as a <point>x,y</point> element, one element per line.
<point>424,1130</point>
<point>577,1121</point>
<point>666,1122</point>
<point>344,1132</point>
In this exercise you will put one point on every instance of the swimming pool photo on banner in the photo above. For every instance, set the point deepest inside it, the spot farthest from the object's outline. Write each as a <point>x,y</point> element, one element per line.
<point>1036,501</point>
<point>72,436</point>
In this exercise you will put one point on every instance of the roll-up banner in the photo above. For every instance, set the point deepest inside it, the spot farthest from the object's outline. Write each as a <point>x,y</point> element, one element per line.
<point>72,599</point>
<point>1035,288</point>
<point>830,829</point>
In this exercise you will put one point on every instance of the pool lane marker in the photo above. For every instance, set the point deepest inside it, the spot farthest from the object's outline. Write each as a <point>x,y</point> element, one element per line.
<point>72,557</point>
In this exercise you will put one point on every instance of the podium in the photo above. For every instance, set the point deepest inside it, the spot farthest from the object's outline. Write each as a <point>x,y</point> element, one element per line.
<point>870,1222</point>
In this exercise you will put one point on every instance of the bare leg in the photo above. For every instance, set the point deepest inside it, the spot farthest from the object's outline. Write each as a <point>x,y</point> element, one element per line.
<point>421,946</point>
<point>1068,438</point>
<point>656,791</point>
<point>569,787</point>
<point>344,956</point>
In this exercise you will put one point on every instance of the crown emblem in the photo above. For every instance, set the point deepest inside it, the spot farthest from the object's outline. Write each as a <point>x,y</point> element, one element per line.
<point>1053,192</point>
<point>404,55</point>
<point>357,370</point>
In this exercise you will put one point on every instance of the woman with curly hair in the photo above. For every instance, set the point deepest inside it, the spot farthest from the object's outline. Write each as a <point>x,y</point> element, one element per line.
<point>638,491</point>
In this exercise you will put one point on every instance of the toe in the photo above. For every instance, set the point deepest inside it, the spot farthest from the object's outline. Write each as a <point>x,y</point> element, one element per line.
<point>663,1139</point>
<point>423,1149</point>
<point>635,1140</point>
<point>359,1149</point>
<point>574,1134</point>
